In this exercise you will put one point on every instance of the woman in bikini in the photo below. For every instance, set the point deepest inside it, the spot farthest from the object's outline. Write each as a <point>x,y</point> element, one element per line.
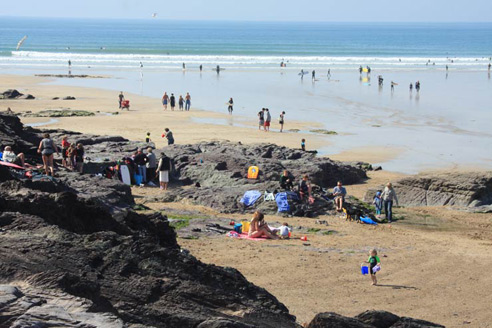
<point>258,227</point>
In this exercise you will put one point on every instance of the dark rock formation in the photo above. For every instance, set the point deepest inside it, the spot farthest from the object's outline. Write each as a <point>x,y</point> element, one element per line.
<point>79,237</point>
<point>368,319</point>
<point>221,168</point>
<point>11,94</point>
<point>68,98</point>
<point>472,190</point>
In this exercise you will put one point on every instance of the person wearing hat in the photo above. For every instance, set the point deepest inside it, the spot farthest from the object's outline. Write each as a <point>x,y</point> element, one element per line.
<point>378,204</point>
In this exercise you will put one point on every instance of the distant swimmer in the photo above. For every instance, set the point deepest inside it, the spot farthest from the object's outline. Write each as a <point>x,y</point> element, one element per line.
<point>411,87</point>
<point>392,86</point>
<point>184,66</point>
<point>313,75</point>
<point>69,63</point>
<point>447,68</point>
<point>218,69</point>
<point>490,65</point>
<point>329,73</point>
<point>201,68</point>
<point>380,80</point>
<point>417,86</point>
<point>141,65</point>
<point>368,70</point>
<point>360,69</point>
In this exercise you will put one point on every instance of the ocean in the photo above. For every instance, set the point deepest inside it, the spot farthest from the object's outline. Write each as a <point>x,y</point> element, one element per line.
<point>161,44</point>
<point>446,124</point>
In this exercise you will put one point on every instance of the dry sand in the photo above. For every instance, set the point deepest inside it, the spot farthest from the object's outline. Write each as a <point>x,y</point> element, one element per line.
<point>436,262</point>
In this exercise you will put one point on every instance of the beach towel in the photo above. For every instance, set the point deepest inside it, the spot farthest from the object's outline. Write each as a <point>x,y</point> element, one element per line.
<point>250,197</point>
<point>282,202</point>
<point>245,235</point>
<point>368,220</point>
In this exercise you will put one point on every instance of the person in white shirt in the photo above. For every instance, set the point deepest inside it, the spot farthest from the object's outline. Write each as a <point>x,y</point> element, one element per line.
<point>10,157</point>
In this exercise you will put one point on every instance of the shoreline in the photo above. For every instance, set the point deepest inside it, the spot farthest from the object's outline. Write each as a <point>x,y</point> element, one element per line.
<point>147,115</point>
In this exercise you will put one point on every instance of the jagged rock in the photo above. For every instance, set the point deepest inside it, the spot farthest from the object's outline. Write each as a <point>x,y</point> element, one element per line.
<point>79,236</point>
<point>68,98</point>
<point>405,322</point>
<point>330,319</point>
<point>379,319</point>
<point>28,96</point>
<point>455,189</point>
<point>11,94</point>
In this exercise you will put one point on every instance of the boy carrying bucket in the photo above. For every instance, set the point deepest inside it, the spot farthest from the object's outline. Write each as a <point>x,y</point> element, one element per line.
<point>374,265</point>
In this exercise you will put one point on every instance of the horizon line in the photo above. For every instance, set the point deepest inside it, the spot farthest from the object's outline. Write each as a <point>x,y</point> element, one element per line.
<point>251,21</point>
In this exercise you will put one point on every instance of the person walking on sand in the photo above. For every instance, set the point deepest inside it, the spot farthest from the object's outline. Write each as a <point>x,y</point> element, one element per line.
<point>163,170</point>
<point>121,98</point>
<point>172,101</point>
<point>187,102</point>
<point>47,148</point>
<point>231,104</point>
<point>165,100</point>
<point>169,136</point>
<point>374,265</point>
<point>268,120</point>
<point>281,121</point>
<point>180,102</point>
<point>389,196</point>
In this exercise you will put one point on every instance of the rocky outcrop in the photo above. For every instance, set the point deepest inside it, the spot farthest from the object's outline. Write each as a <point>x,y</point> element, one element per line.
<point>220,169</point>
<point>473,190</point>
<point>78,237</point>
<point>368,319</point>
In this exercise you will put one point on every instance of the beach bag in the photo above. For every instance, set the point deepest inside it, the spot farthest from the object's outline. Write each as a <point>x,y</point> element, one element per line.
<point>238,227</point>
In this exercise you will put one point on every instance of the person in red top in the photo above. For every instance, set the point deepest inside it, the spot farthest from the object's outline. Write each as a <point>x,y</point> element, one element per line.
<point>65,145</point>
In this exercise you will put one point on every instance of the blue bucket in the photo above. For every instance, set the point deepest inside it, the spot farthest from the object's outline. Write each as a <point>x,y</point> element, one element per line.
<point>364,269</point>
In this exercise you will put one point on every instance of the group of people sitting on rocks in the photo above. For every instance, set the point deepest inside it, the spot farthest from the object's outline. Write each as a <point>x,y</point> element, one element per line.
<point>72,155</point>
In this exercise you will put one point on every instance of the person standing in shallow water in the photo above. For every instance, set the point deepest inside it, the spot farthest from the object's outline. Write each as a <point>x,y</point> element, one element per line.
<point>172,101</point>
<point>261,119</point>
<point>268,120</point>
<point>281,121</point>
<point>180,102</point>
<point>187,101</point>
<point>165,100</point>
<point>231,104</point>
<point>121,97</point>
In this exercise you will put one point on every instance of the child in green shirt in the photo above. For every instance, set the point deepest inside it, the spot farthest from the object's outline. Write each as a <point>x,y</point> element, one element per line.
<point>374,262</point>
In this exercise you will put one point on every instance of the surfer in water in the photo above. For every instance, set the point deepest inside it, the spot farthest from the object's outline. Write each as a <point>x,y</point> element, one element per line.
<point>302,74</point>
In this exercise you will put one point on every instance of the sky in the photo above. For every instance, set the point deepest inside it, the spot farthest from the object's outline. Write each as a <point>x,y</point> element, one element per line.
<point>261,10</point>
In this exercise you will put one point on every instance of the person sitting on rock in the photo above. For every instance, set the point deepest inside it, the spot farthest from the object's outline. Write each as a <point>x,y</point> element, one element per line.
<point>339,192</point>
<point>259,228</point>
<point>286,180</point>
<point>305,188</point>
<point>10,157</point>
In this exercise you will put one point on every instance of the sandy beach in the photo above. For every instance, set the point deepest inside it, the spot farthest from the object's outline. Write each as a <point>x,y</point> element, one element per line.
<point>434,261</point>
<point>145,115</point>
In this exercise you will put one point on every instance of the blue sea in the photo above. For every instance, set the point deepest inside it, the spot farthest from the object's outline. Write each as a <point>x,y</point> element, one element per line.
<point>446,124</point>
<point>166,44</point>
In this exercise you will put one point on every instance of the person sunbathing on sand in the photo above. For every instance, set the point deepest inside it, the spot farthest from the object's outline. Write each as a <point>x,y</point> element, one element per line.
<point>259,228</point>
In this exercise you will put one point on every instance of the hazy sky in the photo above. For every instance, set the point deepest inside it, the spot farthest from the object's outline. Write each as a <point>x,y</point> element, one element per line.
<point>263,10</point>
